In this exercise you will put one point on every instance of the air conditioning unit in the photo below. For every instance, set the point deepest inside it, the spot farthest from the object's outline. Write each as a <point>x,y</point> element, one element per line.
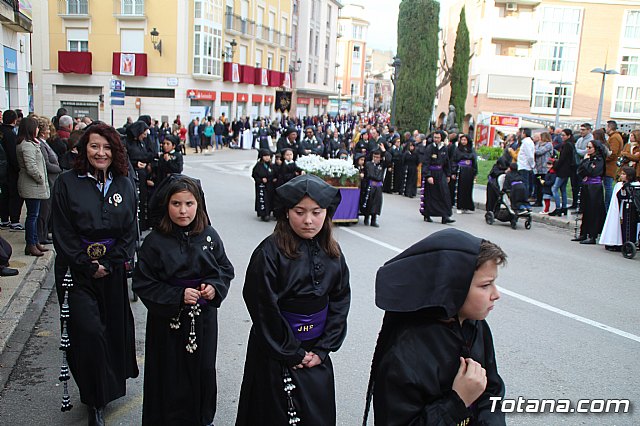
<point>512,7</point>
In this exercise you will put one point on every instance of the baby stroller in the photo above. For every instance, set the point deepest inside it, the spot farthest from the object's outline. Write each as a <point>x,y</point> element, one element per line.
<point>631,209</point>
<point>502,208</point>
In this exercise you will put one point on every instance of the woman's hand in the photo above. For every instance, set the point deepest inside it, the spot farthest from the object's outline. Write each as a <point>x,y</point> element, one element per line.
<point>470,381</point>
<point>430,180</point>
<point>307,358</point>
<point>315,360</point>
<point>207,291</point>
<point>101,272</point>
<point>264,180</point>
<point>191,296</point>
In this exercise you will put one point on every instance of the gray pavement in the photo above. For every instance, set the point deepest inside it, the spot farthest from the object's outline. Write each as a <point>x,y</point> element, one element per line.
<point>565,327</point>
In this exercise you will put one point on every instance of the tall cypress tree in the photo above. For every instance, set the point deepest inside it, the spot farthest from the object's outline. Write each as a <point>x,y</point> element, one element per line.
<point>460,70</point>
<point>418,53</point>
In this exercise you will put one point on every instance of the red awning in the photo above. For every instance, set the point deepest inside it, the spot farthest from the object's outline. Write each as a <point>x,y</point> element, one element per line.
<point>303,101</point>
<point>256,98</point>
<point>76,62</point>
<point>123,64</point>
<point>226,96</point>
<point>206,95</point>
<point>242,97</point>
<point>268,99</point>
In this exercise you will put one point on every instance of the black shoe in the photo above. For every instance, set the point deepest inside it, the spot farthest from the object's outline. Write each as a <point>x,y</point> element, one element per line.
<point>446,220</point>
<point>374,224</point>
<point>556,212</point>
<point>588,241</point>
<point>581,238</point>
<point>428,219</point>
<point>96,416</point>
<point>264,218</point>
<point>46,242</point>
<point>366,220</point>
<point>563,211</point>
<point>613,248</point>
<point>5,271</point>
<point>573,207</point>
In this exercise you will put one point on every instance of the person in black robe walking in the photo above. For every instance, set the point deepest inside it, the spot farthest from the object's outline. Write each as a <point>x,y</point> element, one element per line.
<point>452,143</point>
<point>94,233</point>
<point>374,172</point>
<point>289,169</point>
<point>410,161</point>
<point>170,161</point>
<point>263,176</point>
<point>182,276</point>
<point>434,362</point>
<point>465,169</point>
<point>297,292</point>
<point>395,173</point>
<point>591,170</point>
<point>436,174</point>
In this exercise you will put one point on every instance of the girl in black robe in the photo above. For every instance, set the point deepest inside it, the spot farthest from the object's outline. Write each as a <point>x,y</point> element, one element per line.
<point>94,233</point>
<point>170,161</point>
<point>465,169</point>
<point>359,162</point>
<point>410,161</point>
<point>263,176</point>
<point>297,292</point>
<point>436,295</point>
<point>436,173</point>
<point>591,170</point>
<point>182,270</point>
<point>289,169</point>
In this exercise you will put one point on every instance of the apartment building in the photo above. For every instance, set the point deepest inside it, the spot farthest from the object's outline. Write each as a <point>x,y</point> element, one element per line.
<point>186,57</point>
<point>16,20</point>
<point>378,85</point>
<point>536,58</point>
<point>350,66</point>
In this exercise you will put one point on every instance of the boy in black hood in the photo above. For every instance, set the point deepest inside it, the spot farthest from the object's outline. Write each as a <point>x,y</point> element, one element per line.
<point>434,362</point>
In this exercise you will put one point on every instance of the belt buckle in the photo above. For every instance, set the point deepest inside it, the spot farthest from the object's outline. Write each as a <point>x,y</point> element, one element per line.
<point>96,251</point>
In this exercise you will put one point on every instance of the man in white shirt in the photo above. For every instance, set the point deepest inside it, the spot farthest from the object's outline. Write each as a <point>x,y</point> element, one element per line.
<point>526,158</point>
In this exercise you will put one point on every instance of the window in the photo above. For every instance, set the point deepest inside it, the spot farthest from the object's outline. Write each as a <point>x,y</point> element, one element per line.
<point>310,41</point>
<point>628,100</point>
<point>557,56</point>
<point>270,61</point>
<point>632,25</point>
<point>258,58</point>
<point>133,7</point>
<point>356,52</point>
<point>315,73</point>
<point>547,96</point>
<point>77,40</point>
<point>329,15</point>
<point>316,42</point>
<point>272,25</point>
<point>77,7</point>
<point>560,21</point>
<point>309,73</point>
<point>243,55</point>
<point>326,75</point>
<point>326,48</point>
<point>283,62</point>
<point>132,41</point>
<point>629,65</point>
<point>207,39</point>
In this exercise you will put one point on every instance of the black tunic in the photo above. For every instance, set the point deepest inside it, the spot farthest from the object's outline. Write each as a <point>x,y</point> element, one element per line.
<point>173,165</point>
<point>436,200</point>
<point>410,161</point>
<point>374,176</point>
<point>465,167</point>
<point>101,328</point>
<point>395,175</point>
<point>273,281</point>
<point>264,190</point>
<point>286,172</point>
<point>415,374</point>
<point>180,387</point>
<point>591,170</point>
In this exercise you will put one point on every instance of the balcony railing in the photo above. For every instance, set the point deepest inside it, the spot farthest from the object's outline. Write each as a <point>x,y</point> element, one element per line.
<point>73,7</point>
<point>239,24</point>
<point>14,4</point>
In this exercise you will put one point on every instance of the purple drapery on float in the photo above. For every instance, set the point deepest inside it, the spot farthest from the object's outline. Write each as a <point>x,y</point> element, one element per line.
<point>347,210</point>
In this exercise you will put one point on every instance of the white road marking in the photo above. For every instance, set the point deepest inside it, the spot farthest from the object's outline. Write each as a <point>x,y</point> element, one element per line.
<point>518,296</point>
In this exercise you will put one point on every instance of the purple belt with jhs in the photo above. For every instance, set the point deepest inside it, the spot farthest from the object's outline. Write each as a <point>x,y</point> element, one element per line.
<point>375,183</point>
<point>464,163</point>
<point>435,168</point>
<point>307,326</point>
<point>189,283</point>
<point>97,249</point>
<point>592,180</point>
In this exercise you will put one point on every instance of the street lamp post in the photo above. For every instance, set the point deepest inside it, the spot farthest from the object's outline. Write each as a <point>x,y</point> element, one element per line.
<point>604,71</point>
<point>396,70</point>
<point>339,98</point>
<point>559,102</point>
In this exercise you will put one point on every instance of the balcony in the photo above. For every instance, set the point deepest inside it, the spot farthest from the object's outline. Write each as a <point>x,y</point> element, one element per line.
<point>74,62</point>
<point>241,26</point>
<point>513,28</point>
<point>128,9</point>
<point>73,9</point>
<point>12,18</point>
<point>249,29</point>
<point>508,65</point>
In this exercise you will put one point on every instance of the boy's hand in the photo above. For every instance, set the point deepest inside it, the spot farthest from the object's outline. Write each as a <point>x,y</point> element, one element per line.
<point>470,381</point>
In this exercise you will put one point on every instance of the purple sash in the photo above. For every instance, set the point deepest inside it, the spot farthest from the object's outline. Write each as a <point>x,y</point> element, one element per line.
<point>375,183</point>
<point>464,163</point>
<point>306,327</point>
<point>592,181</point>
<point>189,283</point>
<point>516,182</point>
<point>435,168</point>
<point>97,249</point>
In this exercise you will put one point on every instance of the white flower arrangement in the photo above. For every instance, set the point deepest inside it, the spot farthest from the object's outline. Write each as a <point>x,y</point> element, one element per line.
<point>335,171</point>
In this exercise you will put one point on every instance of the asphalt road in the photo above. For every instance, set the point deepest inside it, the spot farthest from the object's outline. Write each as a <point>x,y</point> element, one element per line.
<point>567,325</point>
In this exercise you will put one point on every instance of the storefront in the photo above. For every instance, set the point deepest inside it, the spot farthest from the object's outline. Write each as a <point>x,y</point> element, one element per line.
<point>202,103</point>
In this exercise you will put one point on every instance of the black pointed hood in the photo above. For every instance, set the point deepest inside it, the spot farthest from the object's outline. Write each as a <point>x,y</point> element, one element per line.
<point>434,274</point>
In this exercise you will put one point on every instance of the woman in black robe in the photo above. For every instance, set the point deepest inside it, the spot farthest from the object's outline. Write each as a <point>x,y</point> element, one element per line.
<point>591,170</point>
<point>410,161</point>
<point>374,173</point>
<point>436,173</point>
<point>183,270</point>
<point>94,231</point>
<point>263,176</point>
<point>436,296</point>
<point>465,169</point>
<point>297,292</point>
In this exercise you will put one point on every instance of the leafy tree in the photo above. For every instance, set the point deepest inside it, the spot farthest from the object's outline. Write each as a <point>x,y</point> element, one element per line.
<point>418,53</point>
<point>460,69</point>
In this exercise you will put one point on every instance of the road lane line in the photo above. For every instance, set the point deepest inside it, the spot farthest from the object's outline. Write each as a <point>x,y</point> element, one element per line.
<point>518,296</point>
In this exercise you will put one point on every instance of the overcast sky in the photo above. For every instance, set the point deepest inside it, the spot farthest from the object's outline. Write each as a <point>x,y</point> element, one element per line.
<point>383,23</point>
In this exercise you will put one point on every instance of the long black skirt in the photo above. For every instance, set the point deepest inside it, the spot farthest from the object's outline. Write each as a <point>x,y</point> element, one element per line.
<point>387,185</point>
<point>102,355</point>
<point>373,204</point>
<point>409,182</point>
<point>263,400</point>
<point>593,210</point>
<point>465,189</point>
<point>398,176</point>
<point>435,200</point>
<point>264,199</point>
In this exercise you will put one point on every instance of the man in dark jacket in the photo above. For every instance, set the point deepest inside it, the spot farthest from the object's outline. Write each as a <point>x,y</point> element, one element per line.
<point>195,133</point>
<point>218,131</point>
<point>10,200</point>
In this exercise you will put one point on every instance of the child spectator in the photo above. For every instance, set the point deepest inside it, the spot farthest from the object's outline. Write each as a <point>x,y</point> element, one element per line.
<point>514,186</point>
<point>547,184</point>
